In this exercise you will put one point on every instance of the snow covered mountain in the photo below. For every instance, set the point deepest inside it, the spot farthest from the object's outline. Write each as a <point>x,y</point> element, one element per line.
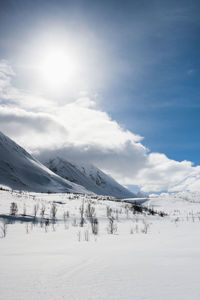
<point>89,176</point>
<point>19,170</point>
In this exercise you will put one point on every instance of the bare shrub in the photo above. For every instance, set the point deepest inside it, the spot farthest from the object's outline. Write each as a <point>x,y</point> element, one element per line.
<point>35,209</point>
<point>134,229</point>
<point>117,215</point>
<point>86,235</point>
<point>176,220</point>
<point>53,210</point>
<point>82,214</point>
<point>4,229</point>
<point>79,236</point>
<point>42,222</point>
<point>145,227</point>
<point>42,210</point>
<point>74,222</point>
<point>65,220</point>
<point>112,226</point>
<point>94,225</point>
<point>108,211</point>
<point>90,211</point>
<point>46,224</point>
<point>13,208</point>
<point>127,212</point>
<point>193,218</point>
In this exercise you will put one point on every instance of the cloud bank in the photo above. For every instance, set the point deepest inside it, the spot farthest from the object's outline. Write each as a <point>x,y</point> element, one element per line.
<point>81,131</point>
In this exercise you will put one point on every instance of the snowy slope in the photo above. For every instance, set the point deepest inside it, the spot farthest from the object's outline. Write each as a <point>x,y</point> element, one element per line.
<point>19,170</point>
<point>88,176</point>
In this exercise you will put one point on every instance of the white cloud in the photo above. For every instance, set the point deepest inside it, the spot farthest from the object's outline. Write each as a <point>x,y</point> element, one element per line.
<point>81,131</point>
<point>162,173</point>
<point>31,129</point>
<point>88,125</point>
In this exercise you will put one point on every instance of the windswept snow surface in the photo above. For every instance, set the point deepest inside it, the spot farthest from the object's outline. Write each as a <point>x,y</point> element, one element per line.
<point>58,263</point>
<point>89,176</point>
<point>19,170</point>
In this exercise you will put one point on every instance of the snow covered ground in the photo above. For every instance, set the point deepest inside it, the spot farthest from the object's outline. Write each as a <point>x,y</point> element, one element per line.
<point>147,257</point>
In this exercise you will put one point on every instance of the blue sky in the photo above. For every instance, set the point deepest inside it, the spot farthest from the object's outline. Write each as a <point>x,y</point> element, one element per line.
<point>142,62</point>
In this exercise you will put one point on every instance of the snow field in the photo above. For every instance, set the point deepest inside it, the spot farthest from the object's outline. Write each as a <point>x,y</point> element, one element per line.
<point>59,263</point>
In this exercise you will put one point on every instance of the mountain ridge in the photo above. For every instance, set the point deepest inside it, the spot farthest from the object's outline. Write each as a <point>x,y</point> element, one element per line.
<point>89,176</point>
<point>20,170</point>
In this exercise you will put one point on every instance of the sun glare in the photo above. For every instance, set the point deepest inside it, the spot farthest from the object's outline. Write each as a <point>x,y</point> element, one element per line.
<point>59,63</point>
<point>59,67</point>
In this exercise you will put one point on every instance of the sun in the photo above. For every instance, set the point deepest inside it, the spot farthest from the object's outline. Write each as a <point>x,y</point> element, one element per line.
<point>59,67</point>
